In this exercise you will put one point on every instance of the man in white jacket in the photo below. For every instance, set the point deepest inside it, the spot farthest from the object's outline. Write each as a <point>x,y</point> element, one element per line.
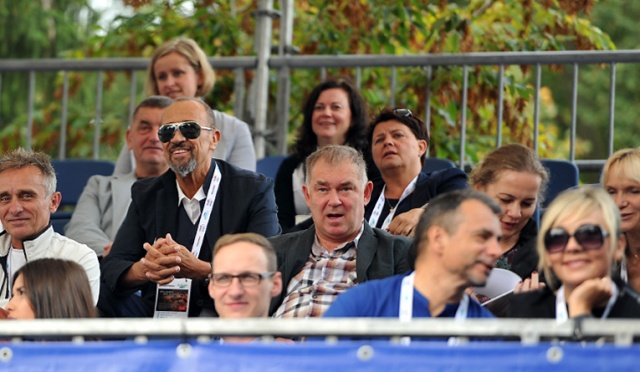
<point>27,198</point>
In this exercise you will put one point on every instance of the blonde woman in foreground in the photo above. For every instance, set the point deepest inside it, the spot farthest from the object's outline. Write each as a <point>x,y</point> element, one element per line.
<point>579,243</point>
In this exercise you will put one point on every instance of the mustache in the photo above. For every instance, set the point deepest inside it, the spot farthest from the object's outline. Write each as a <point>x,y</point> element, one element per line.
<point>179,146</point>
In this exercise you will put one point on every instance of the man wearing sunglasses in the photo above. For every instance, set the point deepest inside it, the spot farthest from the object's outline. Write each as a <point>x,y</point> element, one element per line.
<point>244,277</point>
<point>456,246</point>
<point>164,245</point>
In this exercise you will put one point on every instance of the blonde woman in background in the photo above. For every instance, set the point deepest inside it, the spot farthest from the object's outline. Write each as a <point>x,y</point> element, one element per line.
<point>180,68</point>
<point>621,179</point>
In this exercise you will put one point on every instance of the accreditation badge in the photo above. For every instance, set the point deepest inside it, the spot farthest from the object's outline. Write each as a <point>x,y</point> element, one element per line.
<point>172,299</point>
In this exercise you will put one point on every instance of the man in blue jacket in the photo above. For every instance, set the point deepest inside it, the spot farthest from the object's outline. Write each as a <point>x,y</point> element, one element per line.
<point>456,246</point>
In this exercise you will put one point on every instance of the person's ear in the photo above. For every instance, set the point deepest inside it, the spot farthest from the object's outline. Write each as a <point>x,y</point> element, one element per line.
<point>129,139</point>
<point>368,189</point>
<point>215,138</point>
<point>54,203</point>
<point>276,288</point>
<point>210,287</point>
<point>437,239</point>
<point>423,146</point>
<point>307,198</point>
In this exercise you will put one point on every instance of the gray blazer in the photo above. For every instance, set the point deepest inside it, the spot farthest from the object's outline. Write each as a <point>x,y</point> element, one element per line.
<point>380,255</point>
<point>100,210</point>
<point>235,146</point>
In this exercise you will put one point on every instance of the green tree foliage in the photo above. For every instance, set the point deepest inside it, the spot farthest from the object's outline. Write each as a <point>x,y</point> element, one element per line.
<point>619,18</point>
<point>227,28</point>
<point>37,29</point>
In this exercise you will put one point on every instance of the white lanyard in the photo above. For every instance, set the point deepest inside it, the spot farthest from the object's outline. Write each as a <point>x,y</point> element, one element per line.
<point>405,310</point>
<point>206,212</point>
<point>173,299</point>
<point>561,305</point>
<point>377,210</point>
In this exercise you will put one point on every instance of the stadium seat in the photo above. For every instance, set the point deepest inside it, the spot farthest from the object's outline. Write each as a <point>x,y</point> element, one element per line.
<point>563,175</point>
<point>269,165</point>
<point>435,164</point>
<point>72,176</point>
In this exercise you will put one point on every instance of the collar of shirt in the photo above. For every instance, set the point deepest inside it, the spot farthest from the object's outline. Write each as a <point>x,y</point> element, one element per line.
<point>192,206</point>
<point>317,248</point>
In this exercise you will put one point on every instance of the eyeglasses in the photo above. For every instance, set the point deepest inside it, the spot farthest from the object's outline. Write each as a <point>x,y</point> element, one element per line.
<point>589,236</point>
<point>403,112</point>
<point>189,129</point>
<point>245,279</point>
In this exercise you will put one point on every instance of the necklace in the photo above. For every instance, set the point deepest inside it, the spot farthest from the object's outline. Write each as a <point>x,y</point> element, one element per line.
<point>632,254</point>
<point>392,207</point>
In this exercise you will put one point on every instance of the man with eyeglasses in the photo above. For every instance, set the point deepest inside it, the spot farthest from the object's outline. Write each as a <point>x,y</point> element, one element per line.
<point>456,246</point>
<point>244,277</point>
<point>164,245</point>
<point>105,199</point>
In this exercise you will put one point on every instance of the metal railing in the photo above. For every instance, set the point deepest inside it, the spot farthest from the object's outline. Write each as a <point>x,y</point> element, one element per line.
<point>528,331</point>
<point>358,62</point>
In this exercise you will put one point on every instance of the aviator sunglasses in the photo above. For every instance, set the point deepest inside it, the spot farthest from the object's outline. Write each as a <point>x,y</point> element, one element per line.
<point>189,129</point>
<point>589,236</point>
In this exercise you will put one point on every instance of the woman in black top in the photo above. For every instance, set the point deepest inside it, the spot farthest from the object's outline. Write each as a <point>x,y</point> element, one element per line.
<point>399,143</point>
<point>334,114</point>
<point>579,242</point>
<point>515,178</point>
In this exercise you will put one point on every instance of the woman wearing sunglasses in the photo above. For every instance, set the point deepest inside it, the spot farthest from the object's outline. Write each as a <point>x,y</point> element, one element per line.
<point>621,179</point>
<point>399,143</point>
<point>579,242</point>
<point>179,68</point>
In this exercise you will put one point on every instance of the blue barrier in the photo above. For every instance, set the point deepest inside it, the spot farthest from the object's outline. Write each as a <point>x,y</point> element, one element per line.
<point>173,355</point>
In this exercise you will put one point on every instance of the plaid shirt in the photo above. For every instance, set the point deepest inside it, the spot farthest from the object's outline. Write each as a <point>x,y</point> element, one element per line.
<point>324,276</point>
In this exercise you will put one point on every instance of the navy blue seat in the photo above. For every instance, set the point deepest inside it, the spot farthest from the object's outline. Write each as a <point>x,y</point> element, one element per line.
<point>563,175</point>
<point>436,164</point>
<point>72,176</point>
<point>269,165</point>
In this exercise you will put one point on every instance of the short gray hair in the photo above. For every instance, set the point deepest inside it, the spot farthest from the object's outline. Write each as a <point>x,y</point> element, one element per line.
<point>334,155</point>
<point>20,158</point>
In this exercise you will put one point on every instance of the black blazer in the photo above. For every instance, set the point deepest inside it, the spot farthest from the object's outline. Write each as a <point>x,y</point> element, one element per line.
<point>245,203</point>
<point>380,255</point>
<point>542,304</point>
<point>428,186</point>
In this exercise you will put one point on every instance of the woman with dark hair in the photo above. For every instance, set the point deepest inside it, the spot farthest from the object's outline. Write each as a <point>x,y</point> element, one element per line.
<point>399,143</point>
<point>51,288</point>
<point>334,114</point>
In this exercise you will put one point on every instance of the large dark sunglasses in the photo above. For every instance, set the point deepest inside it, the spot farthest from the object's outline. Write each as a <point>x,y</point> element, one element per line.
<point>189,129</point>
<point>589,236</point>
<point>403,112</point>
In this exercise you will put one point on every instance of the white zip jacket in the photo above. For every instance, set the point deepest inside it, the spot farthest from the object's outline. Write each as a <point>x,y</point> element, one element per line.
<point>50,244</point>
